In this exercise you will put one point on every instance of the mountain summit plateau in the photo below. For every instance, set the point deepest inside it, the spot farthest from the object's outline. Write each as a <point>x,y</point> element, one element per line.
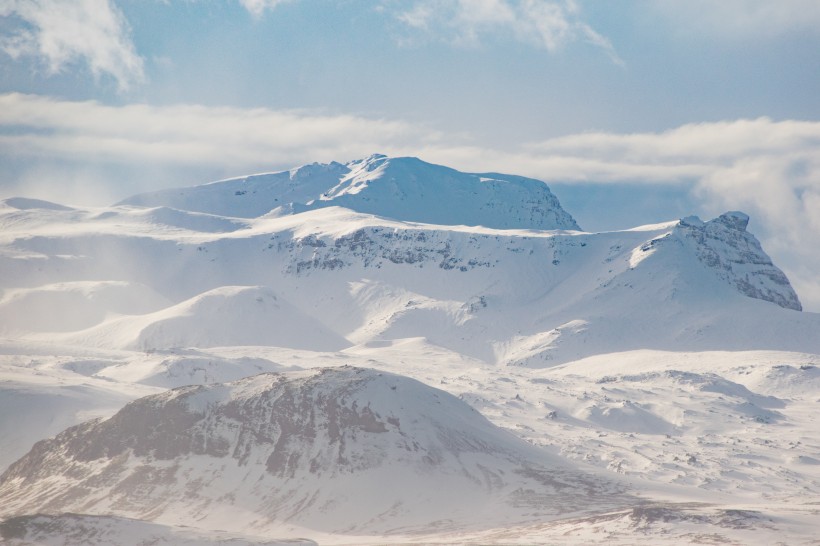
<point>404,188</point>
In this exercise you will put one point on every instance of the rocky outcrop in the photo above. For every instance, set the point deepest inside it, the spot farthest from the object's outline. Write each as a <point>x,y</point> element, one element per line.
<point>736,257</point>
<point>297,448</point>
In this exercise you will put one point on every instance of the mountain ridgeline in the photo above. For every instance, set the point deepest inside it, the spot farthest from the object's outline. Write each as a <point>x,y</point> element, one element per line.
<point>341,450</point>
<point>393,351</point>
<point>330,256</point>
<point>405,189</point>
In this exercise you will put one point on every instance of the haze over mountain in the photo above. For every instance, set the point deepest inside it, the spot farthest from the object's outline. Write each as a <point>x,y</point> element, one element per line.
<point>340,450</point>
<point>641,363</point>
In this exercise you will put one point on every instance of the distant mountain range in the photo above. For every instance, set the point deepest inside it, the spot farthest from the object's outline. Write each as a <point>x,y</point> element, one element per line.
<point>472,283</point>
<point>332,276</point>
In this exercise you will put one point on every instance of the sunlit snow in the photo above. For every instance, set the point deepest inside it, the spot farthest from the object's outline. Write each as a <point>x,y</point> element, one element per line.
<point>394,351</point>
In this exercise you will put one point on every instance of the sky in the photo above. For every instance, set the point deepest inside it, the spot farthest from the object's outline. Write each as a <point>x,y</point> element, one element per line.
<point>634,112</point>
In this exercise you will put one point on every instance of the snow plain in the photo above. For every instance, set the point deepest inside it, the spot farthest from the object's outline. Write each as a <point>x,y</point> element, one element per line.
<point>671,360</point>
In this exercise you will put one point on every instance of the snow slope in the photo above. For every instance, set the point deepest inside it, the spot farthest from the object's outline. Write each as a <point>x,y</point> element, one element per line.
<point>42,393</point>
<point>337,449</point>
<point>734,460</point>
<point>229,315</point>
<point>72,306</point>
<point>403,188</point>
<point>333,277</point>
<point>671,359</point>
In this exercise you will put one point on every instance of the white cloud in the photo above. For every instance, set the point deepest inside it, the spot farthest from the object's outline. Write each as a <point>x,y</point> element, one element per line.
<point>782,193</point>
<point>60,33</point>
<point>41,127</point>
<point>766,168</point>
<point>549,24</point>
<point>258,7</point>
<point>770,169</point>
<point>707,145</point>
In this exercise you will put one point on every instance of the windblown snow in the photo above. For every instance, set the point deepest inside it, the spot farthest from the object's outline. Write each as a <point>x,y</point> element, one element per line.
<point>394,351</point>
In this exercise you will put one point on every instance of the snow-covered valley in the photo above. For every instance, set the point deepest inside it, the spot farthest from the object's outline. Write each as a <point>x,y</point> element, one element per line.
<point>446,357</point>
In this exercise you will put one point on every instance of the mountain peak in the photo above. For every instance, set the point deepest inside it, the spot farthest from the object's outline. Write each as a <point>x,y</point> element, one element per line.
<point>725,247</point>
<point>301,448</point>
<point>410,189</point>
<point>734,220</point>
<point>402,188</point>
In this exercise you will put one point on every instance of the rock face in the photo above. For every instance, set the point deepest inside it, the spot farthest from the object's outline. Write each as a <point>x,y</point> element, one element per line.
<point>403,188</point>
<point>736,257</point>
<point>341,449</point>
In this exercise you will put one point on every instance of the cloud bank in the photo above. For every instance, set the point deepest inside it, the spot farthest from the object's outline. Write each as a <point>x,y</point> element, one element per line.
<point>36,126</point>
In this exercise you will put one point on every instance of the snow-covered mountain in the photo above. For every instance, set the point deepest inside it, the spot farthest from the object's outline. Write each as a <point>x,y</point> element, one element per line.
<point>654,359</point>
<point>336,449</point>
<point>228,315</point>
<point>403,188</point>
<point>736,257</point>
<point>332,278</point>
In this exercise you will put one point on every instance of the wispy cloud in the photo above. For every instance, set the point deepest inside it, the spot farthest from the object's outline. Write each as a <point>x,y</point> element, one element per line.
<point>770,169</point>
<point>781,190</point>
<point>258,7</point>
<point>548,24</point>
<point>698,147</point>
<point>61,33</point>
<point>38,126</point>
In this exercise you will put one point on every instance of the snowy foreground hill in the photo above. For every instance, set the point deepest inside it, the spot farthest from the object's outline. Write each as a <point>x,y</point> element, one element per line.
<point>392,351</point>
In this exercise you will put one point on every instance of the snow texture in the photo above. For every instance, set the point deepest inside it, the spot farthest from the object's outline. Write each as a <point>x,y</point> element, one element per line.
<point>336,449</point>
<point>403,188</point>
<point>653,385</point>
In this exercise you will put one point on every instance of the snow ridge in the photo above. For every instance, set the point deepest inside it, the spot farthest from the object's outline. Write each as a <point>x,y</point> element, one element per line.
<point>667,359</point>
<point>403,188</point>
